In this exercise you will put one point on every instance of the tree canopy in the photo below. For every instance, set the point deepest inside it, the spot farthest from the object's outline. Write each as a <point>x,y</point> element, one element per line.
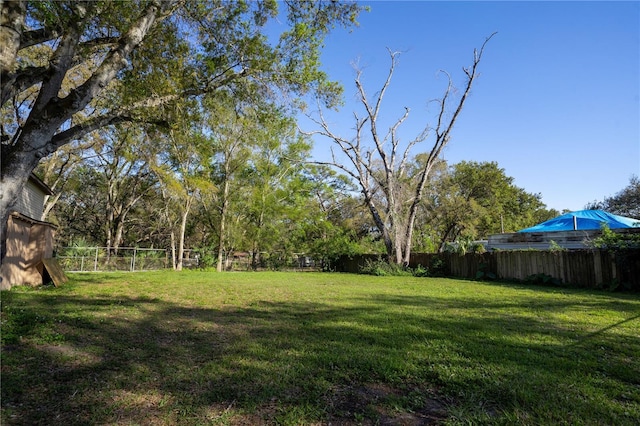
<point>70,67</point>
<point>625,202</point>
<point>171,125</point>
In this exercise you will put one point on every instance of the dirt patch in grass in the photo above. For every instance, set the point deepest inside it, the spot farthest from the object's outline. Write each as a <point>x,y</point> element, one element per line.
<point>374,404</point>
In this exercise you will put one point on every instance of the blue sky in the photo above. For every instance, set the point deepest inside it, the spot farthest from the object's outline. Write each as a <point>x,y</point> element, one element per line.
<point>556,104</point>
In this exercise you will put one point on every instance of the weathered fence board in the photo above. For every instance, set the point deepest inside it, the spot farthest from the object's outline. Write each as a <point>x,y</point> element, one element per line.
<point>580,268</point>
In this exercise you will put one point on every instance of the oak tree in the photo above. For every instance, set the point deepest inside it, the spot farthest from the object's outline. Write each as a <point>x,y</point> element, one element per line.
<point>68,68</point>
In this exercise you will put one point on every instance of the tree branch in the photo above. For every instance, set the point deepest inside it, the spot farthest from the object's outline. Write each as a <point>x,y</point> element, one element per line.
<point>39,36</point>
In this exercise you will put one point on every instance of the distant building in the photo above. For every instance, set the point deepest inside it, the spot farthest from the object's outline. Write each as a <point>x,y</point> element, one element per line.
<point>569,231</point>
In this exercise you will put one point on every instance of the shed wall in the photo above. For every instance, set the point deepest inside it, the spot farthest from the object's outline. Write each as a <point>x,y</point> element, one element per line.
<point>31,201</point>
<point>28,242</point>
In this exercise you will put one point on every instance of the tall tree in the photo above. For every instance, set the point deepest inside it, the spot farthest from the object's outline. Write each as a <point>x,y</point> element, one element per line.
<point>232,135</point>
<point>58,168</point>
<point>381,170</point>
<point>335,222</point>
<point>123,161</point>
<point>626,202</point>
<point>182,167</point>
<point>474,200</point>
<point>118,176</point>
<point>210,45</point>
<point>80,211</point>
<point>272,185</point>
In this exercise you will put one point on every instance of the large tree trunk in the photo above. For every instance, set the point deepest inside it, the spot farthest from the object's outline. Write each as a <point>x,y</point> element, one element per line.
<point>40,135</point>
<point>117,239</point>
<point>174,262</point>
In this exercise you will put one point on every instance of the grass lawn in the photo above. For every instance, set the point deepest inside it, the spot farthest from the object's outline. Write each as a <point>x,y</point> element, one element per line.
<point>198,348</point>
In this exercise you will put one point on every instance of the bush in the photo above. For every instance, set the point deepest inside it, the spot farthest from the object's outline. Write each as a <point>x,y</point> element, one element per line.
<point>438,267</point>
<point>542,279</point>
<point>382,268</point>
<point>420,271</point>
<point>614,241</point>
<point>484,273</point>
<point>625,249</point>
<point>463,246</point>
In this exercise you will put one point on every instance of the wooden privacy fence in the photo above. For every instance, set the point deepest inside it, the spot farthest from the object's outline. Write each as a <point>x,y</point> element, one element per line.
<point>580,268</point>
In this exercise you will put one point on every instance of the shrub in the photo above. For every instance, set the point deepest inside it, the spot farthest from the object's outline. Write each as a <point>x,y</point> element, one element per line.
<point>438,267</point>
<point>484,273</point>
<point>382,268</point>
<point>625,249</point>
<point>420,271</point>
<point>542,279</point>
<point>614,241</point>
<point>463,246</point>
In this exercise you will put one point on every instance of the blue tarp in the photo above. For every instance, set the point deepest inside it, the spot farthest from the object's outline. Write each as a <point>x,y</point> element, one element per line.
<point>583,220</point>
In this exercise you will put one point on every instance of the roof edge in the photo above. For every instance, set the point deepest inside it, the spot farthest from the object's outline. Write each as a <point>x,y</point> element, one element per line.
<point>40,184</point>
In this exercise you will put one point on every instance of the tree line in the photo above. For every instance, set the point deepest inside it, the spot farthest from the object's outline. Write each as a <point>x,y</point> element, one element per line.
<point>263,198</point>
<point>171,124</point>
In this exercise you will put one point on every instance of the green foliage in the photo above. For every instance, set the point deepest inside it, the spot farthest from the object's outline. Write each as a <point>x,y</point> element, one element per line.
<point>79,247</point>
<point>474,200</point>
<point>207,258</point>
<point>614,241</point>
<point>383,268</point>
<point>543,279</point>
<point>463,246</point>
<point>555,247</point>
<point>625,248</point>
<point>420,271</point>
<point>183,54</point>
<point>484,273</point>
<point>624,203</point>
<point>437,268</point>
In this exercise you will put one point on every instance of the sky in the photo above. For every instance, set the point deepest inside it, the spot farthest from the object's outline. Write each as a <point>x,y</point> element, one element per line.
<point>556,104</point>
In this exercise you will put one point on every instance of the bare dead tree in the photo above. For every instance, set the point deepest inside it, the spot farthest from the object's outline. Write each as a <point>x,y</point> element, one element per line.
<point>380,168</point>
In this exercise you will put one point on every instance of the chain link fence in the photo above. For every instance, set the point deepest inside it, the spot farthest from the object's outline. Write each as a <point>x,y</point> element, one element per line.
<point>98,259</point>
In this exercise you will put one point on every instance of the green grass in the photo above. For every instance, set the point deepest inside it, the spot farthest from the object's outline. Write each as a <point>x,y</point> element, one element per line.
<point>308,348</point>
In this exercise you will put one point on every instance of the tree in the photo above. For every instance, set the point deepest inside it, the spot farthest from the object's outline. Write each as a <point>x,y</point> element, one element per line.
<point>391,194</point>
<point>182,168</point>
<point>103,188</point>
<point>94,66</point>
<point>80,209</point>
<point>233,132</point>
<point>58,168</point>
<point>626,202</point>
<point>335,222</point>
<point>122,160</point>
<point>272,185</point>
<point>474,200</point>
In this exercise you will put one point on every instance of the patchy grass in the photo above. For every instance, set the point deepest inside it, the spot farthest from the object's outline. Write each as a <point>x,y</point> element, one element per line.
<point>308,348</point>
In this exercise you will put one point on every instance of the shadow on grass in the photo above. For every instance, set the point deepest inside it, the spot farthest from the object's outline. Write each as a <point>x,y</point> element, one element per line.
<point>384,360</point>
